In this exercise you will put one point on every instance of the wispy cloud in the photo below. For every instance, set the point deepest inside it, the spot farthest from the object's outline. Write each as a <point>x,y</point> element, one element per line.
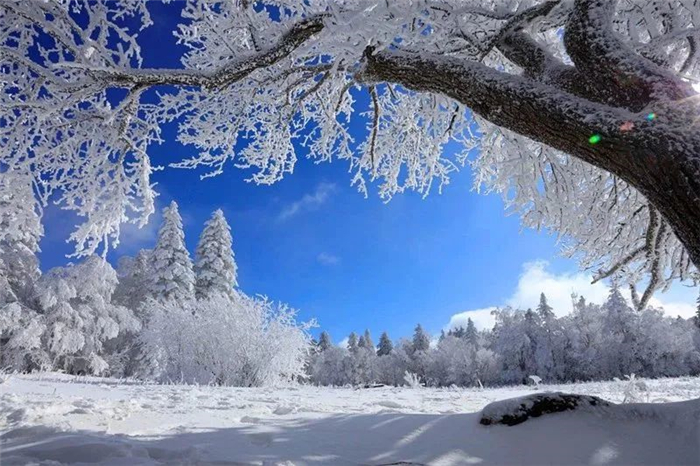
<point>132,238</point>
<point>308,202</point>
<point>327,259</point>
<point>536,279</point>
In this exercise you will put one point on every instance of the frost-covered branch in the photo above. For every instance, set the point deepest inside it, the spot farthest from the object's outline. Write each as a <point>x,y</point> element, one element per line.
<point>596,93</point>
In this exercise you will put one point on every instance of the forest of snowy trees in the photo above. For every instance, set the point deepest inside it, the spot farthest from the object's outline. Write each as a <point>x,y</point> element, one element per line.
<point>159,316</point>
<point>162,316</point>
<point>595,342</point>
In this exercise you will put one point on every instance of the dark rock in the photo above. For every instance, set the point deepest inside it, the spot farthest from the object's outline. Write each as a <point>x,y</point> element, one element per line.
<point>518,410</point>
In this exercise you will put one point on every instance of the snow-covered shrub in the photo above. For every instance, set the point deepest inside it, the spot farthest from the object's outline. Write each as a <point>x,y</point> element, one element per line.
<point>635,390</point>
<point>327,368</point>
<point>412,380</point>
<point>536,380</point>
<point>21,331</point>
<point>79,315</point>
<point>244,341</point>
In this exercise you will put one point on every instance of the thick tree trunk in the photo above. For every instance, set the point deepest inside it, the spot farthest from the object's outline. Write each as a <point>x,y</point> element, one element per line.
<point>660,157</point>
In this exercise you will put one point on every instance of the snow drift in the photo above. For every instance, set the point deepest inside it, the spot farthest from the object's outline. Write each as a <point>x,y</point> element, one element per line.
<point>63,420</point>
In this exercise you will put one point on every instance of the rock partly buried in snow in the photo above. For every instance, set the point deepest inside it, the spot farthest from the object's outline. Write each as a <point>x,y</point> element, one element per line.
<point>517,410</point>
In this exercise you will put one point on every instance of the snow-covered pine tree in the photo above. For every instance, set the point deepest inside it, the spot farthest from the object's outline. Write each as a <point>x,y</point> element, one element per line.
<point>324,341</point>
<point>20,232</point>
<point>215,267</point>
<point>173,275</point>
<point>471,335</point>
<point>544,309</point>
<point>421,340</point>
<point>367,343</point>
<point>361,342</point>
<point>352,342</point>
<point>135,275</point>
<point>385,345</point>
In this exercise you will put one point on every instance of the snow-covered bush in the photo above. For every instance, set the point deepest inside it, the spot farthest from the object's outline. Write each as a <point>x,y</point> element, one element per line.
<point>412,380</point>
<point>536,380</point>
<point>635,390</point>
<point>244,341</point>
<point>21,331</point>
<point>79,315</point>
<point>327,368</point>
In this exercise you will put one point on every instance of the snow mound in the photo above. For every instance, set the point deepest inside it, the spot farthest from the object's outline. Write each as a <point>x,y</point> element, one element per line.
<point>514,411</point>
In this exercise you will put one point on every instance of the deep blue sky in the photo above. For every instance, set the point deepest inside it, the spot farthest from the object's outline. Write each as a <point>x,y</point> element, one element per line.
<point>349,261</point>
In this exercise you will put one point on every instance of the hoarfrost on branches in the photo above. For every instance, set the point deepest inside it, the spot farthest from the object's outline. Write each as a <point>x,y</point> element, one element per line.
<point>581,111</point>
<point>244,341</point>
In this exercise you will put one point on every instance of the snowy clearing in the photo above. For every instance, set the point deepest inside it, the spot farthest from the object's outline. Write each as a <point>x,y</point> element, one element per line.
<point>59,419</point>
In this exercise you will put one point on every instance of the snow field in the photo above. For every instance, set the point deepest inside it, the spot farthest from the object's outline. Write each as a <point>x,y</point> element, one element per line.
<point>87,420</point>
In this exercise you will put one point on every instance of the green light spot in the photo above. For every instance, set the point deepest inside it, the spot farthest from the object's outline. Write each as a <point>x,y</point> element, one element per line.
<point>595,139</point>
<point>651,116</point>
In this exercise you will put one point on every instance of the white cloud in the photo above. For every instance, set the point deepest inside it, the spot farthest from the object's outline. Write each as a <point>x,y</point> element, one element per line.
<point>327,259</point>
<point>482,318</point>
<point>674,308</point>
<point>308,201</point>
<point>132,238</point>
<point>343,343</point>
<point>536,279</point>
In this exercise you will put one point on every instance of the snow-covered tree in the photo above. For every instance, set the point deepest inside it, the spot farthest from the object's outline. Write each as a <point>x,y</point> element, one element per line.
<point>544,309</point>
<point>584,108</point>
<point>173,276</point>
<point>368,343</point>
<point>20,233</point>
<point>324,341</point>
<point>79,315</point>
<point>385,345</point>
<point>421,340</point>
<point>21,344</point>
<point>215,267</point>
<point>245,342</point>
<point>471,334</point>
<point>135,276</point>
<point>352,344</point>
<point>328,367</point>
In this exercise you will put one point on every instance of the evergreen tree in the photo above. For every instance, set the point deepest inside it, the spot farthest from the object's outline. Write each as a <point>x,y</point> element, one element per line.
<point>369,344</point>
<point>421,340</point>
<point>216,266</point>
<point>385,345</point>
<point>173,277</point>
<point>471,334</point>
<point>352,342</point>
<point>697,313</point>
<point>20,232</point>
<point>135,274</point>
<point>544,309</point>
<point>361,342</point>
<point>324,341</point>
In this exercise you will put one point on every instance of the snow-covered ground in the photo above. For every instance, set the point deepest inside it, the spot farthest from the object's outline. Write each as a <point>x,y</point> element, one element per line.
<point>58,419</point>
